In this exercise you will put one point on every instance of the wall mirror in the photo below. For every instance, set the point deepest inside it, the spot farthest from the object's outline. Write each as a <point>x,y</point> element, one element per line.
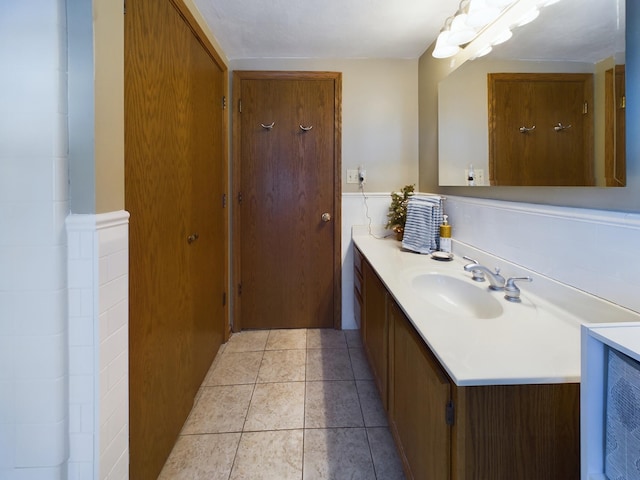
<point>569,37</point>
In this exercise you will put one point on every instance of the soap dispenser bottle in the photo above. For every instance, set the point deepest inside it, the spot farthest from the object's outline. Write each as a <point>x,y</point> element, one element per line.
<point>445,235</point>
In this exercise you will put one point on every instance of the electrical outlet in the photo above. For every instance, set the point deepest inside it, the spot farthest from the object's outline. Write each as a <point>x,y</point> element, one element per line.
<point>362,176</point>
<point>478,176</point>
<point>352,176</point>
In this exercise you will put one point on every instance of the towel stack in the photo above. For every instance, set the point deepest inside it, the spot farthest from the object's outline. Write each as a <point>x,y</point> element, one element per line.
<point>422,229</point>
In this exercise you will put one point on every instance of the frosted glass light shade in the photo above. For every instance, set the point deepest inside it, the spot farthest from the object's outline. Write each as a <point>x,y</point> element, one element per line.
<point>529,17</point>
<point>481,14</point>
<point>502,37</point>
<point>443,48</point>
<point>460,33</point>
<point>499,3</point>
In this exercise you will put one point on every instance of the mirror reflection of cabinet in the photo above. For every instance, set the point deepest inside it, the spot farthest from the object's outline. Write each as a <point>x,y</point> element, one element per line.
<point>540,129</point>
<point>615,127</point>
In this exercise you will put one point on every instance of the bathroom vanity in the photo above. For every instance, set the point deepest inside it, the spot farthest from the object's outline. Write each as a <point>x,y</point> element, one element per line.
<point>474,386</point>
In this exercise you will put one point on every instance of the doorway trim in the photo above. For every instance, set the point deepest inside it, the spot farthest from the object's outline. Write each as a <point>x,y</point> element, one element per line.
<point>238,77</point>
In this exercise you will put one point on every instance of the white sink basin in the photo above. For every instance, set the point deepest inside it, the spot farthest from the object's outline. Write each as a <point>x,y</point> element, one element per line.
<point>456,296</point>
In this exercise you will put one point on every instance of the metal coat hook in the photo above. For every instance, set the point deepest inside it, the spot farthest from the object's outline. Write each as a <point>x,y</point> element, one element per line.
<point>268,127</point>
<point>526,130</point>
<point>559,127</point>
<point>305,129</point>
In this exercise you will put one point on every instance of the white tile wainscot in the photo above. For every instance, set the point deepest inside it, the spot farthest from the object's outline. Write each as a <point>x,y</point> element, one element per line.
<point>98,266</point>
<point>595,251</point>
<point>358,209</point>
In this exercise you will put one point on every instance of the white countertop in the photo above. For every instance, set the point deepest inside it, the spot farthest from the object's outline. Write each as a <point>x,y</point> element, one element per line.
<point>532,342</point>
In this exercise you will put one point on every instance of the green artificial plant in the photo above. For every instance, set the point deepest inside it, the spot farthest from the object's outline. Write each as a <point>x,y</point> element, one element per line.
<point>398,209</point>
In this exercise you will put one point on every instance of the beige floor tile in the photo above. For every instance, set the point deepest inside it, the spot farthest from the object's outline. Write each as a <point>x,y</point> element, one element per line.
<point>360,364</point>
<point>247,341</point>
<point>371,404</point>
<point>276,406</point>
<point>337,454</point>
<point>326,338</point>
<point>328,364</point>
<point>283,366</point>
<point>385,456</point>
<point>219,409</point>
<point>269,456</point>
<point>354,338</point>
<point>290,339</point>
<point>332,404</point>
<point>235,368</point>
<point>201,457</point>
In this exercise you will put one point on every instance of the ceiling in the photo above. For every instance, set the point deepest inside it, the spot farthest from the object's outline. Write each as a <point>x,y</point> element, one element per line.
<point>326,28</point>
<point>569,30</point>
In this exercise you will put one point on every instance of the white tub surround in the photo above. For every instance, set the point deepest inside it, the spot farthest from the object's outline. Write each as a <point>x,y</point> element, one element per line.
<point>98,265</point>
<point>596,341</point>
<point>534,342</point>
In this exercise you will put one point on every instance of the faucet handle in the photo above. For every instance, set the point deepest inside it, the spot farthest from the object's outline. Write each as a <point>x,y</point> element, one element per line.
<point>476,275</point>
<point>472,260</point>
<point>511,290</point>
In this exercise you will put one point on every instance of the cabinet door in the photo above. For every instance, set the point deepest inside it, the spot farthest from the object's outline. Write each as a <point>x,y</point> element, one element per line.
<point>376,328</point>
<point>419,392</point>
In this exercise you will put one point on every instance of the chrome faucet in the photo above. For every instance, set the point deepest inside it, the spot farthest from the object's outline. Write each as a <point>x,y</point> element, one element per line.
<point>476,275</point>
<point>496,281</point>
<point>511,290</point>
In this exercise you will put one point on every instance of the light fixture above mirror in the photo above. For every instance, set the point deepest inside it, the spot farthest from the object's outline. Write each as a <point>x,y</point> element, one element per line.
<point>485,23</point>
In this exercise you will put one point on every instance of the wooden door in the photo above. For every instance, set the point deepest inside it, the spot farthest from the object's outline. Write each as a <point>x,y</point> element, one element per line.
<point>287,185</point>
<point>419,391</point>
<point>615,127</point>
<point>544,153</point>
<point>174,182</point>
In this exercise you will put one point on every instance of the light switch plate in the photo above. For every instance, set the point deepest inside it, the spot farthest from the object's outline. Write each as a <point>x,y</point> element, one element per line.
<point>352,175</point>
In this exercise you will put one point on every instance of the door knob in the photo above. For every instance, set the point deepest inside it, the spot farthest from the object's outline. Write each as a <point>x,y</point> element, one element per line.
<point>192,238</point>
<point>326,216</point>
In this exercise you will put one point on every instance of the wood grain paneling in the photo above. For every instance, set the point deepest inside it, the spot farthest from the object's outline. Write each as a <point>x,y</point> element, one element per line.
<point>542,156</point>
<point>287,258</point>
<point>174,180</point>
<point>376,336</point>
<point>615,163</point>
<point>528,432</point>
<point>418,395</point>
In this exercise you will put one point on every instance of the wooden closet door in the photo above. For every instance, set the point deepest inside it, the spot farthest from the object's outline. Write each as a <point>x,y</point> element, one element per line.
<point>542,156</point>
<point>287,143</point>
<point>174,181</point>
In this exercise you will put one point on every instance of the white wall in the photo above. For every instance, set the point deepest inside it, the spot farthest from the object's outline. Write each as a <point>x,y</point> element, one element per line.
<point>33,206</point>
<point>379,115</point>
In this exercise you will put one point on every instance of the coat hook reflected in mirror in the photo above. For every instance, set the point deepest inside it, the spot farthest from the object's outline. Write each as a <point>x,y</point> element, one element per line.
<point>559,127</point>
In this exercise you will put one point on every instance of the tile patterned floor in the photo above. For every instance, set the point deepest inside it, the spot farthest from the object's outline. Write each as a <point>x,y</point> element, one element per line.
<point>287,404</point>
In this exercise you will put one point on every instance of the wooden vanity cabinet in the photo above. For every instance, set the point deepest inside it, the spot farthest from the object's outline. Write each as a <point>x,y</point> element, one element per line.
<point>528,432</point>
<point>376,328</point>
<point>358,289</point>
<point>444,431</point>
<point>419,402</point>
